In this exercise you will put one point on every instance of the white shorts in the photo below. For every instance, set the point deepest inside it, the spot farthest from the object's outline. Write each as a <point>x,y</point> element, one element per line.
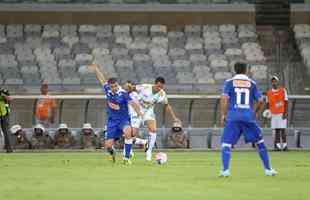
<point>148,114</point>
<point>136,122</point>
<point>277,122</point>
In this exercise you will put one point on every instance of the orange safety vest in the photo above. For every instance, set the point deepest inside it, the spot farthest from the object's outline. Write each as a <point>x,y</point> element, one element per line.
<point>44,106</point>
<point>276,100</point>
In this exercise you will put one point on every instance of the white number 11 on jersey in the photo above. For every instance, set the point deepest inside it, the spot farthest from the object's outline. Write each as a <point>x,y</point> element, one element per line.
<point>245,93</point>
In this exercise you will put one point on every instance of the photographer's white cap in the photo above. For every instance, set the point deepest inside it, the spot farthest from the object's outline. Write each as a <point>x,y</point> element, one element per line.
<point>87,126</point>
<point>15,128</point>
<point>39,126</point>
<point>63,126</point>
<point>274,77</point>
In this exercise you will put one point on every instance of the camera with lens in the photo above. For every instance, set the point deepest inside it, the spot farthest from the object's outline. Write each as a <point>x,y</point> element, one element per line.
<point>4,92</point>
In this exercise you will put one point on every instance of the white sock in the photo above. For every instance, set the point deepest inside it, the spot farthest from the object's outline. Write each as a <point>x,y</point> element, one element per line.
<point>140,141</point>
<point>279,145</point>
<point>152,141</point>
<point>284,145</point>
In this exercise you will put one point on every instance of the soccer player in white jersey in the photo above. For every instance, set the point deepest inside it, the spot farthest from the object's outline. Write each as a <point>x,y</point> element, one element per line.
<point>135,119</point>
<point>149,95</point>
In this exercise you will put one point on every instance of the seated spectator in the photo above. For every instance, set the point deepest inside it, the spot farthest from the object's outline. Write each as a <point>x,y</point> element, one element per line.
<point>89,140</point>
<point>63,138</point>
<point>177,138</point>
<point>19,139</point>
<point>40,138</point>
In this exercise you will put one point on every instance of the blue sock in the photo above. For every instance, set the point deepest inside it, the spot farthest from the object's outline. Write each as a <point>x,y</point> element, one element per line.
<point>226,151</point>
<point>128,146</point>
<point>262,151</point>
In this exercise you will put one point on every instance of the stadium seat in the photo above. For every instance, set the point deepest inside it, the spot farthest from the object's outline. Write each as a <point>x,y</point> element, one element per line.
<point>119,53</point>
<point>32,30</point>
<point>70,40</point>
<point>121,30</point>
<point>68,30</point>
<point>177,53</point>
<point>140,30</point>
<point>158,30</point>
<point>198,59</point>
<point>14,31</point>
<point>182,66</point>
<point>67,67</point>
<point>192,30</point>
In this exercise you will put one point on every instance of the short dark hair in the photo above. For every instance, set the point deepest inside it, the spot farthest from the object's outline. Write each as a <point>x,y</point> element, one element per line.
<point>44,85</point>
<point>130,82</point>
<point>240,68</point>
<point>112,80</point>
<point>160,80</point>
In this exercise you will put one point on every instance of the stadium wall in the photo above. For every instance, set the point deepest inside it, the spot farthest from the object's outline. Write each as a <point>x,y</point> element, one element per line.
<point>171,15</point>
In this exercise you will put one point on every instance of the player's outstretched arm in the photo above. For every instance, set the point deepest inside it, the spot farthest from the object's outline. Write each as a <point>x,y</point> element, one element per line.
<point>100,76</point>
<point>224,105</point>
<point>168,109</point>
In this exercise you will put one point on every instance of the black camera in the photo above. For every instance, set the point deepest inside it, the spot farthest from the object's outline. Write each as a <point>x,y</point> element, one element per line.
<point>4,92</point>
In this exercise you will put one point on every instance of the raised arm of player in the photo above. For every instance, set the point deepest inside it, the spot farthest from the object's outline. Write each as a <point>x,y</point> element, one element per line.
<point>100,76</point>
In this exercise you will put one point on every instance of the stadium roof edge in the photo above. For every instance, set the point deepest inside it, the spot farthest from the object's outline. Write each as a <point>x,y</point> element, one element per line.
<point>242,7</point>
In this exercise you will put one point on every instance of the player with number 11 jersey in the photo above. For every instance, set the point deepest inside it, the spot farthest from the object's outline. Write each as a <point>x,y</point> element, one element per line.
<point>239,99</point>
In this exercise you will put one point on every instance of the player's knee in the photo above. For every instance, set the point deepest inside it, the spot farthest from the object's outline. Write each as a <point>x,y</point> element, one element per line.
<point>226,148</point>
<point>134,132</point>
<point>261,145</point>
<point>108,144</point>
<point>127,133</point>
<point>129,141</point>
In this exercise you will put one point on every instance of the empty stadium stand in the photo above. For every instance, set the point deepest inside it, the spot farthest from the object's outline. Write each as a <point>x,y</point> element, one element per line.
<point>191,58</point>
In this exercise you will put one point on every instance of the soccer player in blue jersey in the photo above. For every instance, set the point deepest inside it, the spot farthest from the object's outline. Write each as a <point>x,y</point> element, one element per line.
<point>240,102</point>
<point>118,119</point>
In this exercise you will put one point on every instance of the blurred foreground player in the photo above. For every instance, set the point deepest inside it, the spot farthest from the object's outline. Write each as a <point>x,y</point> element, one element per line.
<point>237,102</point>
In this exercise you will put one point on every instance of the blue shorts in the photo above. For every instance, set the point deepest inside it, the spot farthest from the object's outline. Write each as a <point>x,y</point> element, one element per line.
<point>234,129</point>
<point>115,128</point>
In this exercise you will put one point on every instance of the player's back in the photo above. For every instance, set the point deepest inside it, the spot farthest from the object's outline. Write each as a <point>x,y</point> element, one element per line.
<point>242,93</point>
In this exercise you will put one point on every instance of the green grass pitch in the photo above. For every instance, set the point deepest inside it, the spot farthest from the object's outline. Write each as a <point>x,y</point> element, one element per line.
<point>187,175</point>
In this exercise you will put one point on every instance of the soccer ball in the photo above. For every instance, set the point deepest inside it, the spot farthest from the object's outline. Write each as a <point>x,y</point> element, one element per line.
<point>161,158</point>
<point>267,114</point>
